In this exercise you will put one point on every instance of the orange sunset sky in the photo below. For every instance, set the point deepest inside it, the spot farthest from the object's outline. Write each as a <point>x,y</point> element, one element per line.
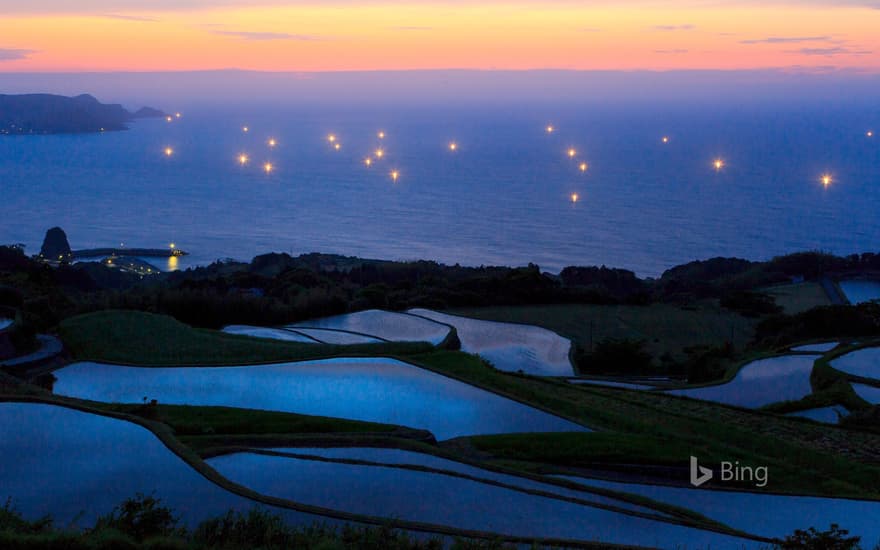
<point>160,35</point>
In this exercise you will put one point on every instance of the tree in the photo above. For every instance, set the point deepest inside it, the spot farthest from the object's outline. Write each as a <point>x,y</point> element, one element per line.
<point>834,538</point>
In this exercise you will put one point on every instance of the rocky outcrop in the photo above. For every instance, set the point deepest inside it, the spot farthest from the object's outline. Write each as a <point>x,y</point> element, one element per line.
<point>55,246</point>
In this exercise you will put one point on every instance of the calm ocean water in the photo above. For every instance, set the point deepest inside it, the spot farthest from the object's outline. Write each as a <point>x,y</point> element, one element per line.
<point>504,197</point>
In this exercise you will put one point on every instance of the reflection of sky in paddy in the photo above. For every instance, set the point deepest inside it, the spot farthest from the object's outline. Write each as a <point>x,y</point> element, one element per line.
<point>868,393</point>
<point>785,378</point>
<point>859,291</point>
<point>437,498</point>
<point>829,415</point>
<point>63,462</point>
<point>402,457</point>
<point>863,362</point>
<point>816,348</point>
<point>271,333</point>
<point>509,346</point>
<point>377,390</point>
<point>761,514</point>
<point>389,325</point>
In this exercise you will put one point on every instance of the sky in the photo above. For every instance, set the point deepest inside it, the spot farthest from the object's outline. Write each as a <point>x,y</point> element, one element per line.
<point>371,35</point>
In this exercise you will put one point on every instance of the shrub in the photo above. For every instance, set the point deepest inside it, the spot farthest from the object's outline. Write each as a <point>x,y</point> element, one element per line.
<point>616,356</point>
<point>12,521</point>
<point>707,363</point>
<point>834,538</point>
<point>141,517</point>
<point>750,304</point>
<point>256,528</point>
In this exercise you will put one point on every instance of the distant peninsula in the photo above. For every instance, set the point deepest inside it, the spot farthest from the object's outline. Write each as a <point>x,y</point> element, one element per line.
<point>55,114</point>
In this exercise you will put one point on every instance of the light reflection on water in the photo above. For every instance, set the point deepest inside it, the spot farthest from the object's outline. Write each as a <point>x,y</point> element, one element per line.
<point>376,390</point>
<point>448,500</point>
<point>863,362</point>
<point>762,514</point>
<point>75,466</point>
<point>761,382</point>
<point>861,291</point>
<point>504,199</point>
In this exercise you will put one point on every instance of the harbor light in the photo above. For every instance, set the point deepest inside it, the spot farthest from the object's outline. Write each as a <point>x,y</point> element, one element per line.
<point>571,153</point>
<point>870,133</point>
<point>827,180</point>
<point>381,134</point>
<point>245,129</point>
<point>268,168</point>
<point>243,159</point>
<point>549,129</point>
<point>583,167</point>
<point>574,197</point>
<point>665,139</point>
<point>337,146</point>
<point>172,246</point>
<point>177,115</point>
<point>453,146</point>
<point>368,161</point>
<point>394,175</point>
<point>168,118</point>
<point>168,151</point>
<point>272,142</point>
<point>718,164</point>
<point>331,138</point>
<point>380,153</point>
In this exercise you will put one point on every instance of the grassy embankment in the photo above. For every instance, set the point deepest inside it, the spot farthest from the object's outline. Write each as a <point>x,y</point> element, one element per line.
<point>131,337</point>
<point>144,523</point>
<point>665,328</point>
<point>831,386</point>
<point>213,430</point>
<point>803,457</point>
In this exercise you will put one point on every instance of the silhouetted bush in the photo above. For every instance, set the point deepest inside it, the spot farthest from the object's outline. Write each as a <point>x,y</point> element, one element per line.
<point>616,356</point>
<point>141,517</point>
<point>750,304</point>
<point>707,363</point>
<point>834,538</point>
<point>820,322</point>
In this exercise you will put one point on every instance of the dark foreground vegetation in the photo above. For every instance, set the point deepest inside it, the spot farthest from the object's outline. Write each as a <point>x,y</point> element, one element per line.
<point>144,523</point>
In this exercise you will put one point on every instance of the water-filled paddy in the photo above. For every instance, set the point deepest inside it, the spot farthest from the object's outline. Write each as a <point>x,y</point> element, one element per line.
<point>762,514</point>
<point>868,393</point>
<point>64,462</point>
<point>271,333</point>
<point>371,389</point>
<point>402,457</point>
<point>864,362</point>
<point>438,498</point>
<point>829,415</point>
<point>386,325</point>
<point>508,346</point>
<point>340,337</point>
<point>816,348</point>
<point>859,291</point>
<point>761,382</point>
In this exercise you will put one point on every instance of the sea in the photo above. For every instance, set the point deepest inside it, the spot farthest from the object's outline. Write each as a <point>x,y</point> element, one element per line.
<point>504,196</point>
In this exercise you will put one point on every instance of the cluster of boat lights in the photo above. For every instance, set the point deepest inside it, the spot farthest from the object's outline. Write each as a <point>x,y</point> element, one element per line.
<point>244,159</point>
